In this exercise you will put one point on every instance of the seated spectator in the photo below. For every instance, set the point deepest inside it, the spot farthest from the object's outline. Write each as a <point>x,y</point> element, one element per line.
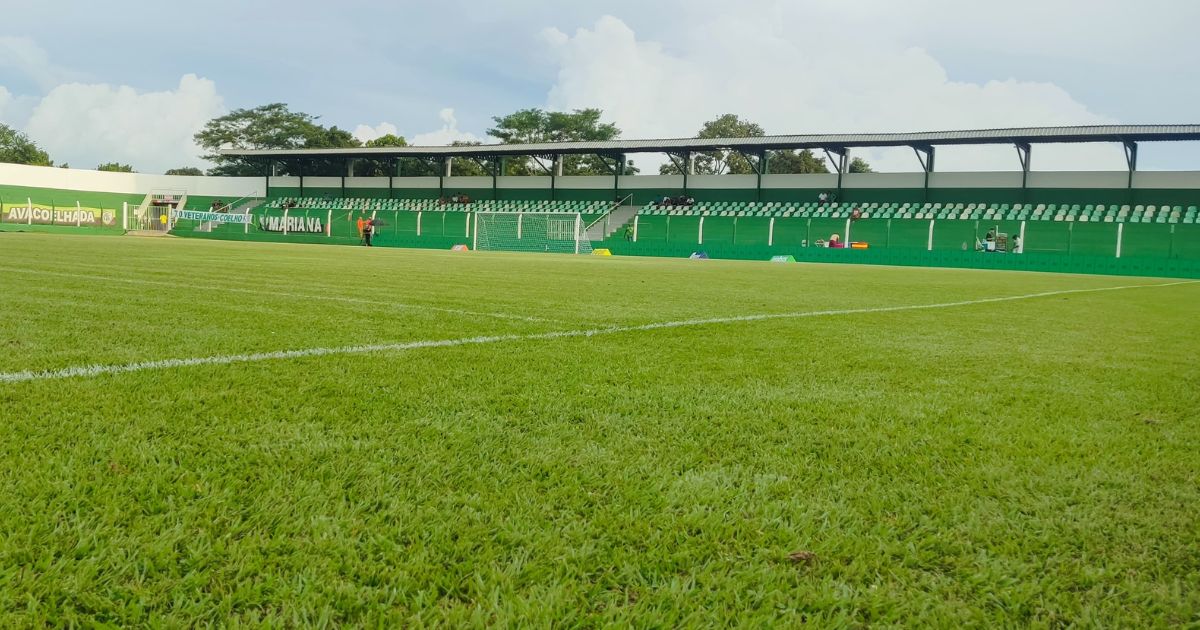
<point>442,200</point>
<point>823,198</point>
<point>690,201</point>
<point>835,241</point>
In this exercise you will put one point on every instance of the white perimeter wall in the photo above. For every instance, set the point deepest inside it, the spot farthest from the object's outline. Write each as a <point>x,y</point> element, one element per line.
<point>130,183</point>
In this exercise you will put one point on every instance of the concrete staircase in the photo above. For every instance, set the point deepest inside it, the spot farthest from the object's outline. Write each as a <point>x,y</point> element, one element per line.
<point>614,221</point>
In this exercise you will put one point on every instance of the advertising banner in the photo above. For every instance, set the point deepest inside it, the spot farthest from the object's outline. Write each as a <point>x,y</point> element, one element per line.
<point>45,215</point>
<point>214,217</point>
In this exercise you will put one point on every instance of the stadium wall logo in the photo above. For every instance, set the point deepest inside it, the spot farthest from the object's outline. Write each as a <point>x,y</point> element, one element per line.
<point>52,216</point>
<point>310,225</point>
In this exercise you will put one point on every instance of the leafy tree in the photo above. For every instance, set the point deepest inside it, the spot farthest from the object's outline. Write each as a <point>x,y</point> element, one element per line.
<point>734,163</point>
<point>186,170</point>
<point>389,140</point>
<point>115,167</point>
<point>859,165</point>
<point>721,162</point>
<point>17,148</point>
<point>271,126</point>
<point>796,162</point>
<point>378,167</point>
<point>470,167</point>
<point>536,125</point>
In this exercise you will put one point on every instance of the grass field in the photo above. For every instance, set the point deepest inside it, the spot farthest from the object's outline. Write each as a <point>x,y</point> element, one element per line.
<point>434,452</point>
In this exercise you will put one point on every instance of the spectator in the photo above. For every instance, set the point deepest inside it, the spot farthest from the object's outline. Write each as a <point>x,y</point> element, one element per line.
<point>835,241</point>
<point>368,232</point>
<point>629,232</point>
<point>1016,241</point>
<point>691,201</point>
<point>823,198</point>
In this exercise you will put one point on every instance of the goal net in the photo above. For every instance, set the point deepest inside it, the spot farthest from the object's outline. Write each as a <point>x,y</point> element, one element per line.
<point>560,232</point>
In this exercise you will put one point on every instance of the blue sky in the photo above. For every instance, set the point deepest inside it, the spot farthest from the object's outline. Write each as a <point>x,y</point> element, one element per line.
<point>131,81</point>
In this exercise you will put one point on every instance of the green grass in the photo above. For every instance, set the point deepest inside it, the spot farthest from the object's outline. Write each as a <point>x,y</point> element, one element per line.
<point>1031,462</point>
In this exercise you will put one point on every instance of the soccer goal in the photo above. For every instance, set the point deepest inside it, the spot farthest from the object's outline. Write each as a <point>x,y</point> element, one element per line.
<point>560,232</point>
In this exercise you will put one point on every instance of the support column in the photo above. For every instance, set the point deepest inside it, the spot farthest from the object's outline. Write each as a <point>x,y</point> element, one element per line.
<point>760,170</point>
<point>449,168</point>
<point>300,172</point>
<point>689,169</point>
<point>839,164</point>
<point>1024,154</point>
<point>1131,150</point>
<point>267,173</point>
<point>498,166</point>
<point>925,157</point>
<point>558,165</point>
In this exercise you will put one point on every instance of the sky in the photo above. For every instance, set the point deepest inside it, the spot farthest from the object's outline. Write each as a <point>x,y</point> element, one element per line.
<point>133,81</point>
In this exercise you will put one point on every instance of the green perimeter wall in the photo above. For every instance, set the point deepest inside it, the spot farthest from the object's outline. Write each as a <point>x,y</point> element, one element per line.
<point>1169,250</point>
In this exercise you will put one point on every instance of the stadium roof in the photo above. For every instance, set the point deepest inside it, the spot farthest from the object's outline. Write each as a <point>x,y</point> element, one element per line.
<point>1017,135</point>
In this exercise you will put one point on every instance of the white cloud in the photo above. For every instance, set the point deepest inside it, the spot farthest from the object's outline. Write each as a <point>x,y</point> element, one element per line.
<point>366,132</point>
<point>23,56</point>
<point>447,134</point>
<point>777,68</point>
<point>86,124</point>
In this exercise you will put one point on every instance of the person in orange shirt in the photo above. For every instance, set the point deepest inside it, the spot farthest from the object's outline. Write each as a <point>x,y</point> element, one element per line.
<point>360,228</point>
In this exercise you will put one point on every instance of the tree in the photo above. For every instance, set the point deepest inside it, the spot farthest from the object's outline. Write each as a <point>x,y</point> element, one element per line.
<point>721,162</point>
<point>535,125</point>
<point>17,148</point>
<point>186,170</point>
<point>389,140</point>
<point>378,167</point>
<point>734,163</point>
<point>271,126</point>
<point>859,165</point>
<point>115,167</point>
<point>795,163</point>
<point>470,166</point>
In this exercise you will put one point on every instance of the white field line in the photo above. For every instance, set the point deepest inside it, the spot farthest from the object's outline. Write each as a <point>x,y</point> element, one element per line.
<point>165,364</point>
<point>286,294</point>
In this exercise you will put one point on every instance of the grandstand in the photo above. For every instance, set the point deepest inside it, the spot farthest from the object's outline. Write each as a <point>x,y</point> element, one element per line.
<point>1127,222</point>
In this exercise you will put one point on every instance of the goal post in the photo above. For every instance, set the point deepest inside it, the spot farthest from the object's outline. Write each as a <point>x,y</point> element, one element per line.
<point>557,232</point>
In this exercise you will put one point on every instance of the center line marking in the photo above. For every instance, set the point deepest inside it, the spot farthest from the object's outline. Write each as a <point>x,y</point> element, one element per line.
<point>163,364</point>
